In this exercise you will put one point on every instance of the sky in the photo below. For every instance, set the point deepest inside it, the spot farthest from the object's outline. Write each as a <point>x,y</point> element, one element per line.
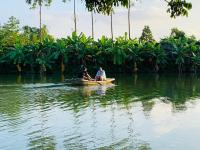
<point>59,18</point>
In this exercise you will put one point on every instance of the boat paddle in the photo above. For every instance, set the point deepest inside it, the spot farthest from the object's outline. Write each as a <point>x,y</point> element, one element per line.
<point>96,81</point>
<point>99,83</point>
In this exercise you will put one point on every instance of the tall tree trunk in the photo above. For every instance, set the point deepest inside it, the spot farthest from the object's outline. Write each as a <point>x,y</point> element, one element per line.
<point>135,67</point>
<point>180,68</point>
<point>32,69</point>
<point>40,22</point>
<point>129,22</point>
<point>19,79</point>
<point>19,69</point>
<point>62,78</point>
<point>43,69</point>
<point>75,29</point>
<point>156,67</point>
<point>111,20</point>
<point>92,24</point>
<point>62,65</point>
<point>135,79</point>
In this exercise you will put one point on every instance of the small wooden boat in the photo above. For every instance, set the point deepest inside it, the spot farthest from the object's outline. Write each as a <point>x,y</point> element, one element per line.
<point>83,82</point>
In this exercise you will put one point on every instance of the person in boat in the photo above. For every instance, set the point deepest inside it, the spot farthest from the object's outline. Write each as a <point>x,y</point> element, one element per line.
<point>84,74</point>
<point>101,75</point>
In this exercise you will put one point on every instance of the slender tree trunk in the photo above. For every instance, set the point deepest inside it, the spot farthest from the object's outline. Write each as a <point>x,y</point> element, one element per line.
<point>111,20</point>
<point>19,79</point>
<point>195,68</point>
<point>180,68</point>
<point>92,24</point>
<point>129,22</point>
<point>135,67</point>
<point>156,67</point>
<point>19,69</point>
<point>135,79</point>
<point>62,65</point>
<point>43,69</point>
<point>40,22</point>
<point>75,28</point>
<point>62,77</point>
<point>32,70</point>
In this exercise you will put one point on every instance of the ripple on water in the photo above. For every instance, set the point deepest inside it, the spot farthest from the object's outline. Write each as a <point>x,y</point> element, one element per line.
<point>132,115</point>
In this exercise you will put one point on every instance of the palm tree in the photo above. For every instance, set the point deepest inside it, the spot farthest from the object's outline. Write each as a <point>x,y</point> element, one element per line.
<point>34,4</point>
<point>92,15</point>
<point>75,28</point>
<point>129,23</point>
<point>40,4</point>
<point>111,20</point>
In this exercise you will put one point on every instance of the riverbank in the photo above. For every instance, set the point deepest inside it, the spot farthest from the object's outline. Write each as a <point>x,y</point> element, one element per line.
<point>23,52</point>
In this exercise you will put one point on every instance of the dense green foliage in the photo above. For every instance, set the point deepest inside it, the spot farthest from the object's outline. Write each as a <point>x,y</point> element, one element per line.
<point>34,3</point>
<point>21,50</point>
<point>146,35</point>
<point>175,7</point>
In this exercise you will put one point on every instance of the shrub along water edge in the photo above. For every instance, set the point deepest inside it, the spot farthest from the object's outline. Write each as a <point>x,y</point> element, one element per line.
<point>22,51</point>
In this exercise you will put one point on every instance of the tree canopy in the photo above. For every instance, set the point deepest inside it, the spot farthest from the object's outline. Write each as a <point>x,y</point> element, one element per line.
<point>175,7</point>
<point>21,47</point>
<point>146,35</point>
<point>9,32</point>
<point>178,7</point>
<point>34,3</point>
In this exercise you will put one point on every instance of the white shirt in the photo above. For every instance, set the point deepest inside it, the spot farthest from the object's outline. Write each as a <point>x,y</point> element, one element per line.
<point>101,74</point>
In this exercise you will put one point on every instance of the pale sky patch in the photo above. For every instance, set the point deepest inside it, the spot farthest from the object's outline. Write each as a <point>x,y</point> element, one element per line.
<point>59,18</point>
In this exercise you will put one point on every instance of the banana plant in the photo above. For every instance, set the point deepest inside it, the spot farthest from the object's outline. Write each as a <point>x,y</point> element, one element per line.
<point>133,53</point>
<point>15,55</point>
<point>31,55</point>
<point>119,50</point>
<point>160,57</point>
<point>180,51</point>
<point>44,57</point>
<point>175,49</point>
<point>79,47</point>
<point>103,52</point>
<point>147,53</point>
<point>60,50</point>
<point>118,54</point>
<point>193,53</point>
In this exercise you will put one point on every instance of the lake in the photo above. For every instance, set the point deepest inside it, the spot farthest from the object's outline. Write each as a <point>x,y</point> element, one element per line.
<point>141,112</point>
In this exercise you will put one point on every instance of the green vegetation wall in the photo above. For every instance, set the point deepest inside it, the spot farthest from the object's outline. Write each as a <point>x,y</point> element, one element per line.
<point>21,51</point>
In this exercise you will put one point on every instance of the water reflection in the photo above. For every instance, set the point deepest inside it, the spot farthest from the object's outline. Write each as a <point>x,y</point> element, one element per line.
<point>98,89</point>
<point>141,112</point>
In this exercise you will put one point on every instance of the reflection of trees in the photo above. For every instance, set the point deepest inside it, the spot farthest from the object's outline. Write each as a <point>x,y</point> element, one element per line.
<point>10,103</point>
<point>144,146</point>
<point>139,88</point>
<point>80,99</point>
<point>42,142</point>
<point>11,107</point>
<point>112,121</point>
<point>147,107</point>
<point>95,90</point>
<point>177,89</point>
<point>94,123</point>
<point>40,139</point>
<point>19,79</point>
<point>132,137</point>
<point>74,100</point>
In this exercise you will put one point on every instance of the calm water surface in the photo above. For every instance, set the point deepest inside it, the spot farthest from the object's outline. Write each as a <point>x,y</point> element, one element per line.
<point>158,112</point>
